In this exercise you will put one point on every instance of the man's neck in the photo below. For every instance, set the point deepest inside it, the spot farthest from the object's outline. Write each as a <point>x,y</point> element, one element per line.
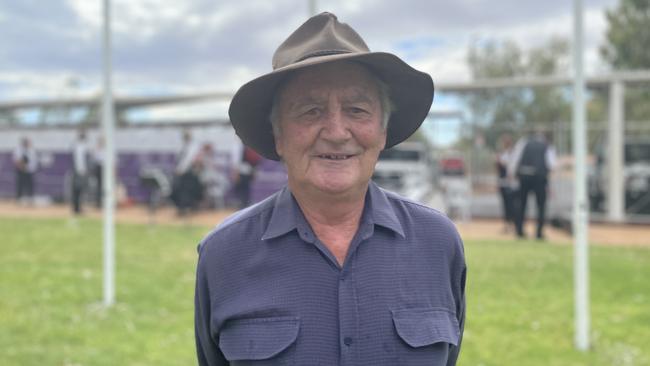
<point>334,218</point>
<point>331,209</point>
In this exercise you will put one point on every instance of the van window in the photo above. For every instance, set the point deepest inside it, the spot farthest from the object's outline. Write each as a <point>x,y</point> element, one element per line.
<point>637,153</point>
<point>398,154</point>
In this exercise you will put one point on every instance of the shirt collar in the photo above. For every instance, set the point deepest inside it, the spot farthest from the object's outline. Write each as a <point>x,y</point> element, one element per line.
<point>284,217</point>
<point>380,210</point>
<point>287,216</point>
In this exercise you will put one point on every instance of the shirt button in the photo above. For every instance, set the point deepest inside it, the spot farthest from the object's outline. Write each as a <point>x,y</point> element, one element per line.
<point>347,341</point>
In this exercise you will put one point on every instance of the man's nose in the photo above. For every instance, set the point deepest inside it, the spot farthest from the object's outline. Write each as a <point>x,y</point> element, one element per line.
<point>336,128</point>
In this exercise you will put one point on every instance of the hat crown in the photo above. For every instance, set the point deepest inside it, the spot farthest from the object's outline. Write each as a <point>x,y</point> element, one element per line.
<point>320,35</point>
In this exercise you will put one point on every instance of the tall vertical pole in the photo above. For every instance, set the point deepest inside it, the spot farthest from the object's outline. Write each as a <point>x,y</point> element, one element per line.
<point>313,8</point>
<point>580,209</point>
<point>108,122</point>
<point>615,152</point>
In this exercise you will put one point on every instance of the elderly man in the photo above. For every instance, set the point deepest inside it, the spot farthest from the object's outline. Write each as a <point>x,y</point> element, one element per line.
<point>332,270</point>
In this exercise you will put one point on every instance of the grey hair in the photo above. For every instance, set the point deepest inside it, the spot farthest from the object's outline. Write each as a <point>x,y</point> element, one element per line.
<point>387,105</point>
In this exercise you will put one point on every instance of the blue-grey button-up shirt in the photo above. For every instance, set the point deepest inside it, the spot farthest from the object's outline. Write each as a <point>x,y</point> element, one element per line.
<point>268,292</point>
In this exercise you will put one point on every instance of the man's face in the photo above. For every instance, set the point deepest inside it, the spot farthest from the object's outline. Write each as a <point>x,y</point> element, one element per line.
<point>330,132</point>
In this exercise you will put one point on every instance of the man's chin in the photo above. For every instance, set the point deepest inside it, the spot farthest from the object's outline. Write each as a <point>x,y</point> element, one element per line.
<point>340,187</point>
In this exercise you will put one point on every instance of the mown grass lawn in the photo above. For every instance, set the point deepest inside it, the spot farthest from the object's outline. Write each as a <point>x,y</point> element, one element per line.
<point>520,305</point>
<point>520,299</point>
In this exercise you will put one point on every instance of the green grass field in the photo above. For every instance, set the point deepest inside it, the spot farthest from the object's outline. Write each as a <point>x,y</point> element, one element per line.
<point>519,294</point>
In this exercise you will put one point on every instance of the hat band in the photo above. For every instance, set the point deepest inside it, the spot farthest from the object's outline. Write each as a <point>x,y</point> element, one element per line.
<point>322,53</point>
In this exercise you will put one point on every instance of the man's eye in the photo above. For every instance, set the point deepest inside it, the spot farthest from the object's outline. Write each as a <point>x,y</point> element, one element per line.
<point>357,110</point>
<point>312,112</point>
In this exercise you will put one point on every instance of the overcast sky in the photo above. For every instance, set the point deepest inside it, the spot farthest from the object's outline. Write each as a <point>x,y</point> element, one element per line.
<point>53,48</point>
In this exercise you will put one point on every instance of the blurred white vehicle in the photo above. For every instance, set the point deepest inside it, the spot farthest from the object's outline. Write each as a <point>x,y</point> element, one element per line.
<point>406,170</point>
<point>636,177</point>
<point>455,185</point>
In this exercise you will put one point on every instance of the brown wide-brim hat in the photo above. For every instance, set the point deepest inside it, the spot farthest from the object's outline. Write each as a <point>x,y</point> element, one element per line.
<point>322,39</point>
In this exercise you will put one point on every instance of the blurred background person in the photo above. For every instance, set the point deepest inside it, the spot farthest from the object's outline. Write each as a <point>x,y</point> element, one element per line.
<point>244,173</point>
<point>533,159</point>
<point>186,187</point>
<point>507,189</point>
<point>97,170</point>
<point>212,176</point>
<point>25,161</point>
<point>79,171</point>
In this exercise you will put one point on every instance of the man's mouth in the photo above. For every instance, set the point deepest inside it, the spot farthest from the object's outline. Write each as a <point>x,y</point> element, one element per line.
<point>335,156</point>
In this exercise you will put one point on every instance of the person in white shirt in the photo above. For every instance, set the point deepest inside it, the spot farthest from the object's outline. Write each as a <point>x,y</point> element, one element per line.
<point>79,171</point>
<point>187,191</point>
<point>187,154</point>
<point>532,161</point>
<point>244,161</point>
<point>25,161</point>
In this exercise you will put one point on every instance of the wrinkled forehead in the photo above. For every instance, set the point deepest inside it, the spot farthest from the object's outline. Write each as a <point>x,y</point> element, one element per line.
<point>351,79</point>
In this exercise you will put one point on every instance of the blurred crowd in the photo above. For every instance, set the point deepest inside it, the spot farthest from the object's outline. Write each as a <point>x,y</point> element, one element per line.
<point>201,178</point>
<point>205,178</point>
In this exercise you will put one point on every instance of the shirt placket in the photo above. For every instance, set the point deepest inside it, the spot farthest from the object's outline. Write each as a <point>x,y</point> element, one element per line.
<point>348,318</point>
<point>348,301</point>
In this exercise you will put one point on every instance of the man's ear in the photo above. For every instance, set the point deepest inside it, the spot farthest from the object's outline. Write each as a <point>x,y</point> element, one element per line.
<point>278,146</point>
<point>383,144</point>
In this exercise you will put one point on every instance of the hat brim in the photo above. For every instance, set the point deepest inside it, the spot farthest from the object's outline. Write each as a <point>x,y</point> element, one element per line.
<point>411,92</point>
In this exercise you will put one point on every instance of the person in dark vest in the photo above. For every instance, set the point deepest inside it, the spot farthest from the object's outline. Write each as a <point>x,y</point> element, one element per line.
<point>532,161</point>
<point>24,158</point>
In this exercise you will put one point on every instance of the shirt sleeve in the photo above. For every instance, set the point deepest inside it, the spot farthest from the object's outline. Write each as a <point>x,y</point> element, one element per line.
<point>551,158</point>
<point>515,157</point>
<point>458,279</point>
<point>504,158</point>
<point>236,154</point>
<point>455,350</point>
<point>32,165</point>
<point>79,158</point>
<point>16,155</point>
<point>207,350</point>
<point>186,160</point>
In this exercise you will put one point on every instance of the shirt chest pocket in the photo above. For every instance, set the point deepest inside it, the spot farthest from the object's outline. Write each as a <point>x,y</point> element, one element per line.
<point>425,335</point>
<point>260,341</point>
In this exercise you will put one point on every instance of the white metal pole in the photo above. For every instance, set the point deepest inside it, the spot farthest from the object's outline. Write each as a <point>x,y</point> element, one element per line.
<point>615,152</point>
<point>108,121</point>
<point>313,8</point>
<point>580,209</point>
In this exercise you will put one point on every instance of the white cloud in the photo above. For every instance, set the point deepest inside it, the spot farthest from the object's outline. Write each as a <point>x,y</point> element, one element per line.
<point>445,64</point>
<point>88,12</point>
<point>165,46</point>
<point>448,61</point>
<point>595,28</point>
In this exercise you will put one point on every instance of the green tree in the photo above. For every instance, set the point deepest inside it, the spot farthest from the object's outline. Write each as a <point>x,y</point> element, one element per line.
<point>516,109</point>
<point>627,44</point>
<point>627,47</point>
